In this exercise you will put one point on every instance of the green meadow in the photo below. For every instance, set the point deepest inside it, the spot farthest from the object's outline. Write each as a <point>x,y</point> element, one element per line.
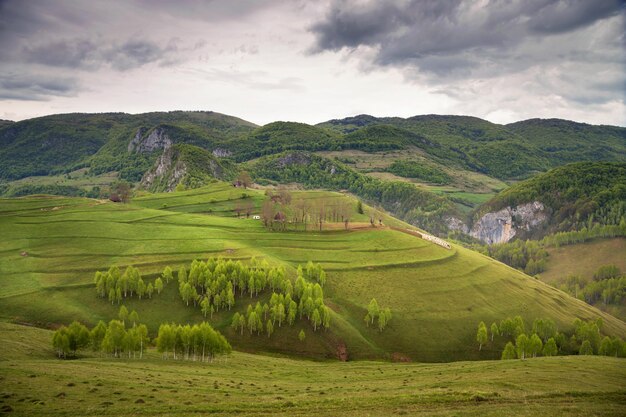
<point>51,247</point>
<point>33,382</point>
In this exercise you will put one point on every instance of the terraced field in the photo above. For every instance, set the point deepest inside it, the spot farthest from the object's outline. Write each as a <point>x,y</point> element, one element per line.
<point>51,246</point>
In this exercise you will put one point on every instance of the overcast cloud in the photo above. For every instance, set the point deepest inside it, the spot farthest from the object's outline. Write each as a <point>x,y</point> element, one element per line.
<point>312,61</point>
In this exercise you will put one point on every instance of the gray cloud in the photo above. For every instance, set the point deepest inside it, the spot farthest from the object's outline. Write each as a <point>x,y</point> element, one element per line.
<point>427,33</point>
<point>35,86</point>
<point>563,45</point>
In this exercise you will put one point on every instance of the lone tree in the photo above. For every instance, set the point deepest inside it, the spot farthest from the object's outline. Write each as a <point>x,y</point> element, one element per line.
<point>301,335</point>
<point>120,192</point>
<point>244,179</point>
<point>481,335</point>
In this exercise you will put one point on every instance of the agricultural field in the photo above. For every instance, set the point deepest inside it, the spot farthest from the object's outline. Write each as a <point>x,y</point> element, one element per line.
<point>35,383</point>
<point>52,246</point>
<point>468,188</point>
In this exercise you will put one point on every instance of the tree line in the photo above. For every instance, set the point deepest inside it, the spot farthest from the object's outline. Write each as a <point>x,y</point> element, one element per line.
<point>216,283</point>
<point>118,339</point>
<point>197,342</point>
<point>544,339</point>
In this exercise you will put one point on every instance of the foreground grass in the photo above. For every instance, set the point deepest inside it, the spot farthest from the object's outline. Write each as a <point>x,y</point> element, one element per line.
<point>34,383</point>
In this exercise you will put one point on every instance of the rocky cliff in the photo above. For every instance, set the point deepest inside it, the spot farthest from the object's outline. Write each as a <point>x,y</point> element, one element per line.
<point>156,139</point>
<point>503,225</point>
<point>186,164</point>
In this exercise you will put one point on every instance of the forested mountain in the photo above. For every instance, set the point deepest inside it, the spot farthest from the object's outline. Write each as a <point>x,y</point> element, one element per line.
<point>149,146</point>
<point>102,142</point>
<point>574,196</point>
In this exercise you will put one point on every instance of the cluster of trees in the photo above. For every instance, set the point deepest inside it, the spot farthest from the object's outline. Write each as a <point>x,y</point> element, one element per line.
<point>544,339</point>
<point>215,284</point>
<point>414,205</point>
<point>114,339</point>
<point>419,170</point>
<point>529,256</point>
<point>306,299</point>
<point>280,210</point>
<point>378,314</point>
<point>117,286</point>
<point>608,286</point>
<point>197,342</point>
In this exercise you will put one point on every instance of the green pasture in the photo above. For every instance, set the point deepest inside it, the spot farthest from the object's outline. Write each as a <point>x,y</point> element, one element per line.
<point>50,248</point>
<point>35,383</point>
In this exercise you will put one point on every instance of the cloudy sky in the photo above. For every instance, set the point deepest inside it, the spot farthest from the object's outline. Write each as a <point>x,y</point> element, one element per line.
<point>311,61</point>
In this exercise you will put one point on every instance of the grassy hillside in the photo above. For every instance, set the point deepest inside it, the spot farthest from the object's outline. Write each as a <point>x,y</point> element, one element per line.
<point>415,205</point>
<point>52,246</point>
<point>34,383</point>
<point>583,260</point>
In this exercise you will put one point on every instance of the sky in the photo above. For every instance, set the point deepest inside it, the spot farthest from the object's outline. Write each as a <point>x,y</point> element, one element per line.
<point>311,61</point>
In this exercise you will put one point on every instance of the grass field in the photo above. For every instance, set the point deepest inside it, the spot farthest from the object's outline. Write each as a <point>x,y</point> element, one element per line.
<point>35,383</point>
<point>51,246</point>
<point>78,178</point>
<point>583,260</point>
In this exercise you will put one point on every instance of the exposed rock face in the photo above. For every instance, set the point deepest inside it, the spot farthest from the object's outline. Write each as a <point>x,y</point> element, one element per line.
<point>165,166</point>
<point>157,139</point>
<point>456,225</point>
<point>503,225</point>
<point>221,153</point>
<point>295,158</point>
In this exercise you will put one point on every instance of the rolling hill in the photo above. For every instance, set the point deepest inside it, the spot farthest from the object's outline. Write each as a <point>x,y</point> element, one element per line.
<point>52,247</point>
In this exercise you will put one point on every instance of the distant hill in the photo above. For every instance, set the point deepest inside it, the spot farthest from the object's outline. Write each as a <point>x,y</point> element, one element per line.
<point>63,143</point>
<point>502,151</point>
<point>563,141</point>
